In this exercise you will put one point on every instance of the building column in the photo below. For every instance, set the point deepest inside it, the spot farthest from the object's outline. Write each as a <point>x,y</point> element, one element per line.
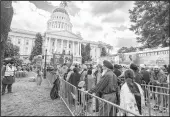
<point>73,48</point>
<point>77,48</point>
<point>61,46</point>
<point>49,45</point>
<point>67,46</point>
<point>55,46</point>
<point>80,49</point>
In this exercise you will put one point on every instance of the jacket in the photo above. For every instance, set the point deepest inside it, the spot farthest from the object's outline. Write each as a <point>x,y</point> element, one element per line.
<point>145,76</point>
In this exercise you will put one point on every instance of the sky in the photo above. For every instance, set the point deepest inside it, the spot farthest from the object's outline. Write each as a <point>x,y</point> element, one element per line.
<point>106,21</point>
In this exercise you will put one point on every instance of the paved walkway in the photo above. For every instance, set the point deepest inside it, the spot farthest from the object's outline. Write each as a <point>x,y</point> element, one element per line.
<point>28,99</point>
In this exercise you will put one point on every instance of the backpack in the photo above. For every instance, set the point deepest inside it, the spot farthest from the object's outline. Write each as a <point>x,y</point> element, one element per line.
<point>54,91</point>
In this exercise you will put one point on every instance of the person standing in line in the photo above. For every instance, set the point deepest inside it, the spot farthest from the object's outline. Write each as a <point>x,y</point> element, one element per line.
<point>131,95</point>
<point>107,86</point>
<point>74,80</point>
<point>157,78</point>
<point>83,72</point>
<point>145,74</point>
<point>39,76</point>
<point>98,73</point>
<point>138,76</point>
<point>8,77</point>
<point>116,70</point>
<point>89,80</point>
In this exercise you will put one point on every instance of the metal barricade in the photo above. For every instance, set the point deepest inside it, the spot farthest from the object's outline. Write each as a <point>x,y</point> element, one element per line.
<point>81,103</point>
<point>156,99</point>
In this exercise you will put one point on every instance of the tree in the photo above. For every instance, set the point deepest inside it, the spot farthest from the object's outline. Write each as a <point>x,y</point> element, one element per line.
<point>11,50</point>
<point>85,52</point>
<point>126,50</point>
<point>17,61</point>
<point>151,22</point>
<point>37,49</point>
<point>6,18</point>
<point>103,52</point>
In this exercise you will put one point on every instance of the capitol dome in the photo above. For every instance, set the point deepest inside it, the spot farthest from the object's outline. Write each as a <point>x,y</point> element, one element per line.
<point>59,9</point>
<point>59,20</point>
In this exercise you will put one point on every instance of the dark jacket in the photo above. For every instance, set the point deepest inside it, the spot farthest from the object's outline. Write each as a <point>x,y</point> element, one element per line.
<point>107,84</point>
<point>138,77</point>
<point>74,78</point>
<point>145,76</point>
<point>117,72</point>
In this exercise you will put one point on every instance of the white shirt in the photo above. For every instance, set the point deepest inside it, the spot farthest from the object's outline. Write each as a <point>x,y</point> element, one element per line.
<point>103,73</point>
<point>127,99</point>
<point>9,71</point>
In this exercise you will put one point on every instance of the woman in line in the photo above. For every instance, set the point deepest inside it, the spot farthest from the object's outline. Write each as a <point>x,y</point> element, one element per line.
<point>98,75</point>
<point>131,95</point>
<point>39,77</point>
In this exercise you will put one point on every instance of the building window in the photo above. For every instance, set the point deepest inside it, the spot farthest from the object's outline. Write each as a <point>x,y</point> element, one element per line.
<point>27,42</point>
<point>164,52</point>
<point>69,45</point>
<point>167,52</point>
<point>19,41</point>
<point>26,50</point>
<point>53,43</point>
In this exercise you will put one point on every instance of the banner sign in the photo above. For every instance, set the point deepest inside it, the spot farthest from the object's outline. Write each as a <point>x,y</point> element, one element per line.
<point>59,59</point>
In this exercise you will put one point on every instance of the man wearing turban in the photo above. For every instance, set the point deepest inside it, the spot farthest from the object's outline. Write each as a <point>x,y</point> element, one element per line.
<point>107,86</point>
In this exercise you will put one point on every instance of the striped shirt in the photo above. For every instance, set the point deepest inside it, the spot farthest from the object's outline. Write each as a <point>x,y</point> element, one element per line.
<point>107,84</point>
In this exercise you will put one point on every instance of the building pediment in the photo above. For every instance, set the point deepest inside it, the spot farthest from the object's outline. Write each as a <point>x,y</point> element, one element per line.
<point>64,33</point>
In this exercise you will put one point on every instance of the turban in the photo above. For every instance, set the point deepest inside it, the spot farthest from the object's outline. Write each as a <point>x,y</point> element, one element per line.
<point>107,64</point>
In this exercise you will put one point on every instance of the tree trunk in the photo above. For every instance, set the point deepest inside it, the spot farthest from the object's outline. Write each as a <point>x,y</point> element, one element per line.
<point>6,18</point>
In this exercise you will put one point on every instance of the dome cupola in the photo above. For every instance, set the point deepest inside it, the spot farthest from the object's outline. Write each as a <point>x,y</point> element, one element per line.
<point>59,20</point>
<point>59,9</point>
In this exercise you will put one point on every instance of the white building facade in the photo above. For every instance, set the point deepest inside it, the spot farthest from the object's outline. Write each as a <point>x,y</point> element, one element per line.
<point>24,39</point>
<point>58,37</point>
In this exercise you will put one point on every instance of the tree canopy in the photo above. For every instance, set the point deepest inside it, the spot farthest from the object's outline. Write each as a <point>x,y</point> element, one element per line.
<point>151,22</point>
<point>85,52</point>
<point>6,18</point>
<point>37,49</point>
<point>10,50</point>
<point>126,49</point>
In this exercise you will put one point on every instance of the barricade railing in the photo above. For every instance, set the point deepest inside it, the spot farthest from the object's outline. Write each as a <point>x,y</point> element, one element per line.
<point>156,98</point>
<point>82,103</point>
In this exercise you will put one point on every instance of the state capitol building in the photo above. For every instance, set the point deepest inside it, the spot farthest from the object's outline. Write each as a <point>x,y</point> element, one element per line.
<point>56,38</point>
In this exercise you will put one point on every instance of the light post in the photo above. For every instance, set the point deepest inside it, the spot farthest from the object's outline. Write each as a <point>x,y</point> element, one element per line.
<point>45,70</point>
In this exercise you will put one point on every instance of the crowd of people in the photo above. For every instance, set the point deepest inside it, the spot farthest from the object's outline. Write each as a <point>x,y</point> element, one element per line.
<point>115,83</point>
<point>119,84</point>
